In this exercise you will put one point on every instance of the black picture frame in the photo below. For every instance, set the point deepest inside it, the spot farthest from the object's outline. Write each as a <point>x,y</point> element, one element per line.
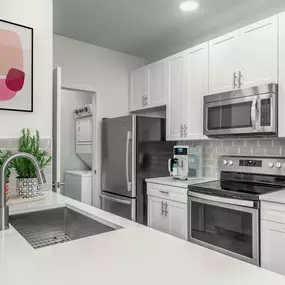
<point>31,66</point>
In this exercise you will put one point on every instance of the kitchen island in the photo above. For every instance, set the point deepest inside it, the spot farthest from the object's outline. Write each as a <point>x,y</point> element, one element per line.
<point>133,254</point>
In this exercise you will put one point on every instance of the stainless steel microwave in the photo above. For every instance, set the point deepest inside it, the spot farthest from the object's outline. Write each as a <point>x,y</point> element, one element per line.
<point>247,112</point>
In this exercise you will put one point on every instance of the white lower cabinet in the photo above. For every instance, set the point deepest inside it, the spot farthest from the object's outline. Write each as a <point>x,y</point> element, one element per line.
<point>156,217</point>
<point>177,219</point>
<point>273,246</point>
<point>272,237</point>
<point>167,215</point>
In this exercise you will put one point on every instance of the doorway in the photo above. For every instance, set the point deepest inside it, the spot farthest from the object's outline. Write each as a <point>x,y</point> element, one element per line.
<point>73,172</point>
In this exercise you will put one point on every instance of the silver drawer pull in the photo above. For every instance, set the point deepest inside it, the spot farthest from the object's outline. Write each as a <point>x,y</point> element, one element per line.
<point>164,192</point>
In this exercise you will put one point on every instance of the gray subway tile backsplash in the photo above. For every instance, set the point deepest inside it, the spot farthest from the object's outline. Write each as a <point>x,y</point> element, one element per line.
<point>245,150</point>
<point>275,151</point>
<point>213,149</point>
<point>266,143</point>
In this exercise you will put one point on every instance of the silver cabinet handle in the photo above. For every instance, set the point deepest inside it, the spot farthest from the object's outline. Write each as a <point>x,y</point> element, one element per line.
<point>240,79</point>
<point>162,208</point>
<point>185,131</point>
<point>164,192</point>
<point>146,100</point>
<point>166,209</point>
<point>253,113</point>
<point>181,130</point>
<point>129,183</point>
<point>235,80</point>
<point>125,202</point>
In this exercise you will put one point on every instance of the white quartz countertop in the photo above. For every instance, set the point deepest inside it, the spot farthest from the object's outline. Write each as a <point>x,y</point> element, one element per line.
<point>170,181</point>
<point>277,197</point>
<point>132,255</point>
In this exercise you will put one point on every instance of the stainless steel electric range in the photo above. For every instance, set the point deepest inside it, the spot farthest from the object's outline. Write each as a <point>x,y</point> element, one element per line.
<point>224,214</point>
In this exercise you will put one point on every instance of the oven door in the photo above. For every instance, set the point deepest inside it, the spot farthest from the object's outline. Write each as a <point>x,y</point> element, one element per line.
<point>241,116</point>
<point>228,226</point>
<point>118,205</point>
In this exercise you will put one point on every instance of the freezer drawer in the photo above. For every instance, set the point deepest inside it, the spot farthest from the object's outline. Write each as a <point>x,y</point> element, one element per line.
<point>118,205</point>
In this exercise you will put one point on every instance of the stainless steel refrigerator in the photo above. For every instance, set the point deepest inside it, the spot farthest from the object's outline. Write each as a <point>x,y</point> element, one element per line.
<point>133,149</point>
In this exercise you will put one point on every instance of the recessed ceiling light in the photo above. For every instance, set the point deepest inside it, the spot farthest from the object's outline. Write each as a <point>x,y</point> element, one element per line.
<point>189,6</point>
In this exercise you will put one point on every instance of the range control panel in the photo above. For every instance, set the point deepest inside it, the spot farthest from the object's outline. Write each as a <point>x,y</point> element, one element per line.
<point>261,165</point>
<point>250,163</point>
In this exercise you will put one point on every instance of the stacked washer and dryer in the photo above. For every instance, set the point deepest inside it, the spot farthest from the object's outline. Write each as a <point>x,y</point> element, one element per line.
<point>78,183</point>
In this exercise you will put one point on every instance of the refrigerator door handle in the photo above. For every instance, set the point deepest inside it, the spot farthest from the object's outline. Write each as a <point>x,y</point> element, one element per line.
<point>129,183</point>
<point>125,202</point>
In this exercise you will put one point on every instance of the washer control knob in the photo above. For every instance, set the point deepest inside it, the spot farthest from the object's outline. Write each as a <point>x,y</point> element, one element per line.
<point>225,162</point>
<point>278,165</point>
<point>231,163</point>
<point>270,164</point>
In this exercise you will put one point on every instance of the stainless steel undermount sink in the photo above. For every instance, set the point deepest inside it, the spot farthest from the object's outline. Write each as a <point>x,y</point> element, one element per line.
<point>50,227</point>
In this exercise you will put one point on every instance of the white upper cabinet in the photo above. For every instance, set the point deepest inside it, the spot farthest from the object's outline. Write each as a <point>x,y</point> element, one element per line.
<point>258,47</point>
<point>138,89</point>
<point>245,58</point>
<point>281,79</point>
<point>196,87</point>
<point>156,84</point>
<point>174,78</point>
<point>148,87</point>
<point>223,63</point>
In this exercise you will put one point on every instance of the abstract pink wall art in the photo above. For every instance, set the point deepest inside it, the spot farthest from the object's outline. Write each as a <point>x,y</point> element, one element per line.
<point>16,67</point>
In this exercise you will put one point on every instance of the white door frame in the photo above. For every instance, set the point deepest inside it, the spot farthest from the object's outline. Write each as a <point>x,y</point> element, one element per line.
<point>57,135</point>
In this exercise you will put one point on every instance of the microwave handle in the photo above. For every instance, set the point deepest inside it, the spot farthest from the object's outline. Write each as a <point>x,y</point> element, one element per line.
<point>253,113</point>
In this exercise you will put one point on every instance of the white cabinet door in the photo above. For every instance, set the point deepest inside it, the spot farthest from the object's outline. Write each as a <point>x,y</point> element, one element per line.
<point>273,246</point>
<point>177,219</point>
<point>157,218</point>
<point>156,84</point>
<point>138,89</point>
<point>223,63</point>
<point>281,81</point>
<point>258,47</point>
<point>196,87</point>
<point>174,81</point>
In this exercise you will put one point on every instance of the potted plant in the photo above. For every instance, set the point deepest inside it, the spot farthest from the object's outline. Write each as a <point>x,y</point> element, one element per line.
<point>27,182</point>
<point>3,156</point>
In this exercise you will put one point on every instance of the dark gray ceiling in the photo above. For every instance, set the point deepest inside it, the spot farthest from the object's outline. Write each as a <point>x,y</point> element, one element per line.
<point>153,29</point>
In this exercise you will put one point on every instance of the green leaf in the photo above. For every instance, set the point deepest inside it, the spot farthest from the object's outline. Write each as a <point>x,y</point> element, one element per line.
<point>31,144</point>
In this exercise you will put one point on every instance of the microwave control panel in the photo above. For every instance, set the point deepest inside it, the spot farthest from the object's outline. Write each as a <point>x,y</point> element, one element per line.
<point>265,116</point>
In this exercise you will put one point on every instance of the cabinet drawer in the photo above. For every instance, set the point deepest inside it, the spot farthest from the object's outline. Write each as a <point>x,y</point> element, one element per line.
<point>167,192</point>
<point>273,212</point>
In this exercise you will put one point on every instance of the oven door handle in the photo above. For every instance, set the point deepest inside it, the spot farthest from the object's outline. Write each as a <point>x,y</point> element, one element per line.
<point>235,202</point>
<point>253,113</point>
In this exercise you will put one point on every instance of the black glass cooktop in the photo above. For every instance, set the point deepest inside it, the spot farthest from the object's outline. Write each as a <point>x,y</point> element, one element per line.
<point>241,186</point>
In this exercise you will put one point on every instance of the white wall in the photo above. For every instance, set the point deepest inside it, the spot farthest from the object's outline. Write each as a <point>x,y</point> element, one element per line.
<point>71,100</point>
<point>38,15</point>
<point>90,67</point>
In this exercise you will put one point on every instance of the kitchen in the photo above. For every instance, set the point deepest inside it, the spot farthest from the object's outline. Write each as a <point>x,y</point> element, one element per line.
<point>165,89</point>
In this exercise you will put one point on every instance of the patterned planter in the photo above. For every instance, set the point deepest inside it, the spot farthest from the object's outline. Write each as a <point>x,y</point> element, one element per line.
<point>28,188</point>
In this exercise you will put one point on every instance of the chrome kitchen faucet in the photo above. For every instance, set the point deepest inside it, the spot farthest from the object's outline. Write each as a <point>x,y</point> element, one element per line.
<point>4,209</point>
